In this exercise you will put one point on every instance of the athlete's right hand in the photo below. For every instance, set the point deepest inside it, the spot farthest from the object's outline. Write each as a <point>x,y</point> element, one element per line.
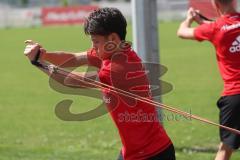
<point>32,49</point>
<point>193,15</point>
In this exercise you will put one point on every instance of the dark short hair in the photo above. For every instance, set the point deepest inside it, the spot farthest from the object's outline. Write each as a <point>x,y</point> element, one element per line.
<point>105,21</point>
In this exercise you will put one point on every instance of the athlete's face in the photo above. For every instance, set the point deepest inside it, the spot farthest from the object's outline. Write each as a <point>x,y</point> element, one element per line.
<point>100,43</point>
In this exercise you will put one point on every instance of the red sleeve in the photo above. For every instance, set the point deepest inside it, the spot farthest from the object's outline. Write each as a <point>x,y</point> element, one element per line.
<point>93,60</point>
<point>204,32</point>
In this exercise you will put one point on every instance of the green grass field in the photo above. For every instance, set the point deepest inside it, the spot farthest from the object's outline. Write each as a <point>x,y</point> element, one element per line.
<point>29,129</point>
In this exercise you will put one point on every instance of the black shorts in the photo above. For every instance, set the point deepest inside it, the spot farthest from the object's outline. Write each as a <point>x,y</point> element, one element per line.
<point>229,116</point>
<point>167,154</point>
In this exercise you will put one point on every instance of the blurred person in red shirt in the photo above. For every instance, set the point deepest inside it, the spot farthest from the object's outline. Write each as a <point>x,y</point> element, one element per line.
<point>224,34</point>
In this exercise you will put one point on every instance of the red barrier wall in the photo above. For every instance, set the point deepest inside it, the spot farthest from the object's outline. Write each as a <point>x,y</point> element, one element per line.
<point>65,15</point>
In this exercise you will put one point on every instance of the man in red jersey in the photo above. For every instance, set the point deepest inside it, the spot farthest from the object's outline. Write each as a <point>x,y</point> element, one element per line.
<point>224,34</point>
<point>142,136</point>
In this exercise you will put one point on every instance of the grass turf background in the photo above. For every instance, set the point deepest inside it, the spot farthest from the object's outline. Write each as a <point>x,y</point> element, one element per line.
<point>29,129</point>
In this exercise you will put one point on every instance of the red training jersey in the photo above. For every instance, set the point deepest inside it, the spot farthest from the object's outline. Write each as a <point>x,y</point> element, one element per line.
<point>141,133</point>
<point>224,34</point>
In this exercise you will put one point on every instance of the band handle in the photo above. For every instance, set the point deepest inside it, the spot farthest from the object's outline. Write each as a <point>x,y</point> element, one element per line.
<point>205,18</point>
<point>35,62</point>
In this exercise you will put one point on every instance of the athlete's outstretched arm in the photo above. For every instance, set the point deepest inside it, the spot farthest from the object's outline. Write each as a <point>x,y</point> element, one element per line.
<point>65,59</point>
<point>57,58</point>
<point>61,58</point>
<point>185,30</point>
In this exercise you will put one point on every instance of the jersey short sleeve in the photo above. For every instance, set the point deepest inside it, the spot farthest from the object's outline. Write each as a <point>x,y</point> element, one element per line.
<point>204,32</point>
<point>93,60</point>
